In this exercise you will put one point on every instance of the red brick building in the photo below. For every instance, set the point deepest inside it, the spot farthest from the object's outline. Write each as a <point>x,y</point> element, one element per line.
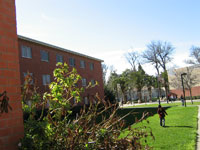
<point>39,59</point>
<point>11,123</point>
<point>192,77</point>
<point>19,55</point>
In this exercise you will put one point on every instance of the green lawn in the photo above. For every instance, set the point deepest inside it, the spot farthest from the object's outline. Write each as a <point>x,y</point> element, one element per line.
<point>180,130</point>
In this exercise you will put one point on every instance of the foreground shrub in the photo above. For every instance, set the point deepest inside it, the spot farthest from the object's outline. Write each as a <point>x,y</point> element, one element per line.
<point>94,127</point>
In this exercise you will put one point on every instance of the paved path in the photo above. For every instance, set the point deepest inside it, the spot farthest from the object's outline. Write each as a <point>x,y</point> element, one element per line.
<point>198,131</point>
<point>162,102</point>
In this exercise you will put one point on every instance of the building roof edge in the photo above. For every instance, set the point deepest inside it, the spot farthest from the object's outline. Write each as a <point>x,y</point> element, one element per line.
<point>58,48</point>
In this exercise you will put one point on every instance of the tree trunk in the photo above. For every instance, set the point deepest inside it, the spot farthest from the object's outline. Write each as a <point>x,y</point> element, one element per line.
<point>140,96</point>
<point>130,95</point>
<point>166,91</point>
<point>158,84</point>
<point>124,97</point>
<point>166,82</point>
<point>150,94</point>
<point>117,94</point>
<point>191,95</point>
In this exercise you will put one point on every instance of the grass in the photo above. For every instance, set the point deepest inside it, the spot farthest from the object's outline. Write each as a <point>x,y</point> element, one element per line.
<point>180,130</point>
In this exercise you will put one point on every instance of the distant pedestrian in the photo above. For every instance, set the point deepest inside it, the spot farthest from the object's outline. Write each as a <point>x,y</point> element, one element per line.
<point>161,112</point>
<point>168,99</point>
<point>176,97</point>
<point>182,100</point>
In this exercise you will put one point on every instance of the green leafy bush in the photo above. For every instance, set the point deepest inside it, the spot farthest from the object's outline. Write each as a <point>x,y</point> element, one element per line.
<point>187,97</point>
<point>194,97</point>
<point>95,127</point>
<point>154,99</point>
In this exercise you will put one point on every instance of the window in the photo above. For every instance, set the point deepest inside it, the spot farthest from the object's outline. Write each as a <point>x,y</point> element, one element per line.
<point>82,64</point>
<point>93,82</point>
<point>59,58</point>
<point>46,79</point>
<point>26,52</point>
<point>31,77</point>
<point>72,62</point>
<point>84,82</point>
<point>44,55</point>
<point>91,66</point>
<point>86,100</point>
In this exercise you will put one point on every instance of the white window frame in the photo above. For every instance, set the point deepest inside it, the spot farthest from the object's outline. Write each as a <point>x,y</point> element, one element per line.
<point>46,55</point>
<point>82,64</point>
<point>26,52</point>
<point>84,82</point>
<point>91,66</point>
<point>46,79</point>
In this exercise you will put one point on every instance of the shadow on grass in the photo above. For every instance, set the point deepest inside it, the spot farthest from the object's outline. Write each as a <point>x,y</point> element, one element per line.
<point>136,113</point>
<point>178,126</point>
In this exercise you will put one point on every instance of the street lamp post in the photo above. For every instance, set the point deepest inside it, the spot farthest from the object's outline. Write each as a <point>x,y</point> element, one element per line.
<point>183,74</point>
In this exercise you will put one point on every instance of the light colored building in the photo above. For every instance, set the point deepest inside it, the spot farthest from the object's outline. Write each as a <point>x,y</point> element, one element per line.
<point>191,78</point>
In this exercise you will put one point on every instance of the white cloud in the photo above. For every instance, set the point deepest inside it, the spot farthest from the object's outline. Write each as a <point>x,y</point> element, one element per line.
<point>115,59</point>
<point>118,61</point>
<point>137,49</point>
<point>179,59</point>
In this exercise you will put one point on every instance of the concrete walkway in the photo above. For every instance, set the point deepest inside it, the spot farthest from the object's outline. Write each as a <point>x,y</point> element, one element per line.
<point>198,131</point>
<point>162,102</point>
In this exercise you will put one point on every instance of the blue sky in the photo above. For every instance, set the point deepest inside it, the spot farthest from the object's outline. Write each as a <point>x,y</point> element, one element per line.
<point>107,29</point>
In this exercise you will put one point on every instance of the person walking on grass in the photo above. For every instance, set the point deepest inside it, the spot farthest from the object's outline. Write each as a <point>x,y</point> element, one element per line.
<point>182,100</point>
<point>161,112</point>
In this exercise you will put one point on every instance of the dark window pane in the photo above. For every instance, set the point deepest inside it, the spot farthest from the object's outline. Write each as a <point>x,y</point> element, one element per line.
<point>91,66</point>
<point>59,58</point>
<point>44,55</point>
<point>72,62</point>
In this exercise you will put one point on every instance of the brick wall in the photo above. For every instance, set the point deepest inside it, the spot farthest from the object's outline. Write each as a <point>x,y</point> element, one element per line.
<point>195,91</point>
<point>38,68</point>
<point>11,123</point>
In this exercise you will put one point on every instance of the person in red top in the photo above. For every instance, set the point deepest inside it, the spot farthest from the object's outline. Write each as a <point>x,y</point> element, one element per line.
<point>161,112</point>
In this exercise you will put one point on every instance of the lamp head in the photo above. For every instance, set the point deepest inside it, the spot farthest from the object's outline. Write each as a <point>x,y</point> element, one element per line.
<point>183,74</point>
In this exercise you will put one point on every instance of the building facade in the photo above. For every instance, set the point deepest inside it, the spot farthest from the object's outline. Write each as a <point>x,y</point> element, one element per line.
<point>39,59</point>
<point>191,78</point>
<point>19,55</point>
<point>11,121</point>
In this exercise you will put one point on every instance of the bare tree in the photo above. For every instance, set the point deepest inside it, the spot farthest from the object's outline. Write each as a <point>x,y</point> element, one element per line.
<point>112,69</point>
<point>132,58</point>
<point>164,52</point>
<point>190,80</point>
<point>150,56</point>
<point>159,54</point>
<point>195,55</point>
